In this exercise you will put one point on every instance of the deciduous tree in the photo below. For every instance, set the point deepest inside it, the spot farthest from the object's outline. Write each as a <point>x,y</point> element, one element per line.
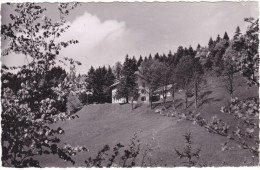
<point>26,117</point>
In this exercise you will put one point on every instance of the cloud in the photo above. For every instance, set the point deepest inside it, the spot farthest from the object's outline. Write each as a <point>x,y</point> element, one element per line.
<point>99,42</point>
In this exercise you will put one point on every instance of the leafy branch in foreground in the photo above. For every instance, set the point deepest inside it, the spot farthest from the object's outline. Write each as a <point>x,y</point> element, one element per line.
<point>28,111</point>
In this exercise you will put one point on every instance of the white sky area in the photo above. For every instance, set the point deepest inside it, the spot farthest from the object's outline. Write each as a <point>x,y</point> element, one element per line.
<point>108,31</point>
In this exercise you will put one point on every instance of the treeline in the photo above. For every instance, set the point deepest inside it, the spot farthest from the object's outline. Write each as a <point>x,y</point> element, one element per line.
<point>185,69</point>
<point>98,84</point>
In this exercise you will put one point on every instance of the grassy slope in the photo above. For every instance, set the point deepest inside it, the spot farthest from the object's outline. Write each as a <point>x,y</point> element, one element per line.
<point>112,123</point>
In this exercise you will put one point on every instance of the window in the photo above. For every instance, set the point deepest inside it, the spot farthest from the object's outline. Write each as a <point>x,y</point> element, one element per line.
<point>143,84</point>
<point>143,91</point>
<point>143,98</point>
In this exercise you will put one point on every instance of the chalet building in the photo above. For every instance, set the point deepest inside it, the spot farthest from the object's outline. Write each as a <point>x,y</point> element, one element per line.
<point>143,91</point>
<point>114,90</point>
<point>167,89</point>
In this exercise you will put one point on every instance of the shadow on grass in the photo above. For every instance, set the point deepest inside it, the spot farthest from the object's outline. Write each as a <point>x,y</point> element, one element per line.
<point>179,103</point>
<point>154,105</point>
<point>209,101</point>
<point>166,104</point>
<point>205,94</point>
<point>137,105</point>
<point>190,104</point>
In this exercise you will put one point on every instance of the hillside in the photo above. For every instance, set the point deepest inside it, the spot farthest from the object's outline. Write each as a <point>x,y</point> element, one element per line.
<point>110,124</point>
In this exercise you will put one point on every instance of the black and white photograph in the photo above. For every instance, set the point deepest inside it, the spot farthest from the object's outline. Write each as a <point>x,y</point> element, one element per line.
<point>129,84</point>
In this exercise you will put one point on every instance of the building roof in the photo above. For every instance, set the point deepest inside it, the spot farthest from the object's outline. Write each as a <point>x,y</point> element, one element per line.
<point>168,87</point>
<point>116,83</point>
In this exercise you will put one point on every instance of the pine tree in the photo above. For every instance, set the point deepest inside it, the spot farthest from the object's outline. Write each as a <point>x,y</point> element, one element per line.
<point>237,33</point>
<point>156,56</point>
<point>225,37</point>
<point>140,61</point>
<point>117,69</point>
<point>170,54</point>
<point>128,82</point>
<point>210,43</point>
<point>198,47</point>
<point>179,54</point>
<point>218,38</point>
<point>109,80</point>
<point>150,57</point>
<point>134,64</point>
<point>191,52</point>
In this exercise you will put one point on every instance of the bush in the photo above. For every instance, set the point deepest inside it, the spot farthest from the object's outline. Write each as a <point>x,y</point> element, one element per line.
<point>73,104</point>
<point>132,155</point>
<point>190,154</point>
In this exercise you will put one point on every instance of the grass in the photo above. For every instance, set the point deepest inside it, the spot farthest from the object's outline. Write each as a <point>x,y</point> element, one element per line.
<point>101,124</point>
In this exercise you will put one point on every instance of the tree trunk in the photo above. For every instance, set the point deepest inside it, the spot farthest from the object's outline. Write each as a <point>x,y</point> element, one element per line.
<point>173,95</point>
<point>164,97</point>
<point>132,104</point>
<point>196,100</point>
<point>151,102</point>
<point>126,100</point>
<point>186,101</point>
<point>196,95</point>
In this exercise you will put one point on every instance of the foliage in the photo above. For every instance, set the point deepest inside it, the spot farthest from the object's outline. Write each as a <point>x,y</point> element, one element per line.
<point>190,154</point>
<point>73,104</point>
<point>28,110</point>
<point>247,57</point>
<point>127,86</point>
<point>117,70</point>
<point>125,155</point>
<point>188,75</point>
<point>98,82</point>
<point>243,129</point>
<point>229,70</point>
<point>149,72</point>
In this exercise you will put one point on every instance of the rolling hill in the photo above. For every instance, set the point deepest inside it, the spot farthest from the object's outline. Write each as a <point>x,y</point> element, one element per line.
<point>100,124</point>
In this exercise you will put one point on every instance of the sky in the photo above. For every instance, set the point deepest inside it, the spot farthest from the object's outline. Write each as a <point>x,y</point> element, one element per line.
<point>107,32</point>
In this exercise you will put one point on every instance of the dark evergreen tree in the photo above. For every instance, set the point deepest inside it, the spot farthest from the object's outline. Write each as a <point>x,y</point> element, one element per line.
<point>134,63</point>
<point>139,62</point>
<point>186,52</point>
<point>109,80</point>
<point>150,57</point>
<point>237,33</point>
<point>127,83</point>
<point>98,82</point>
<point>191,52</point>
<point>118,70</point>
<point>225,37</point>
<point>210,43</point>
<point>156,56</point>
<point>198,47</point>
<point>178,55</point>
<point>218,39</point>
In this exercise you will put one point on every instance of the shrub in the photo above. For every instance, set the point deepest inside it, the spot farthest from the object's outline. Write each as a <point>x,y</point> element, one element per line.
<point>190,154</point>
<point>73,104</point>
<point>125,155</point>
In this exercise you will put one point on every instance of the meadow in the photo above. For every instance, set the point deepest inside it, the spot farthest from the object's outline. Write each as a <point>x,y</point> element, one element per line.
<point>101,124</point>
